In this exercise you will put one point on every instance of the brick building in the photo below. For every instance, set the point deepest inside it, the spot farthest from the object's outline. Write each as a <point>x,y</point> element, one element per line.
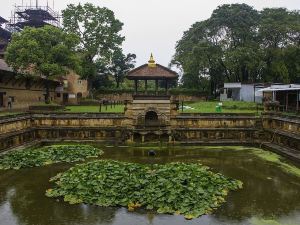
<point>72,89</point>
<point>23,92</point>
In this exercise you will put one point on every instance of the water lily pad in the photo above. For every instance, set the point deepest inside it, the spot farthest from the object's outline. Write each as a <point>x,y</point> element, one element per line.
<point>47,155</point>
<point>176,188</point>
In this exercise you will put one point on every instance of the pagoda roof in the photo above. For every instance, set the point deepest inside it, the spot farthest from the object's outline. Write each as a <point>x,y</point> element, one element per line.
<point>157,72</point>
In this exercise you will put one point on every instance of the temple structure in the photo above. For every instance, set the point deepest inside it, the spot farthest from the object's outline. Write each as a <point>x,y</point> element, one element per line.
<point>151,71</point>
<point>151,112</point>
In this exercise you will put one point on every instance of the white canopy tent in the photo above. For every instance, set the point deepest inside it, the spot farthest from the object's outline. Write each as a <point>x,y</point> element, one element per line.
<point>282,88</point>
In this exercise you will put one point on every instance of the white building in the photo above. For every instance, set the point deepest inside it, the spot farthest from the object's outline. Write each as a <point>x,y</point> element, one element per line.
<point>241,92</point>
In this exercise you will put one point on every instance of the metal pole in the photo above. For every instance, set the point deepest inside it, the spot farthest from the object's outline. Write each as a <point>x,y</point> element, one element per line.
<point>287,101</point>
<point>254,87</point>
<point>298,101</point>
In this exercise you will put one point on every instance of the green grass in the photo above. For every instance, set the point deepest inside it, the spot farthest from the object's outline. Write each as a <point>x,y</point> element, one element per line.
<point>95,109</point>
<point>228,107</point>
<point>10,113</point>
<point>46,104</point>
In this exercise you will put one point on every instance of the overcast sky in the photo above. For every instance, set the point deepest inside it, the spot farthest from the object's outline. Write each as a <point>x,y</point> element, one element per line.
<point>155,25</point>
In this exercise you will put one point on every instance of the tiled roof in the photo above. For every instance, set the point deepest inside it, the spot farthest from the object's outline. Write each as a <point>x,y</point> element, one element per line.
<point>147,72</point>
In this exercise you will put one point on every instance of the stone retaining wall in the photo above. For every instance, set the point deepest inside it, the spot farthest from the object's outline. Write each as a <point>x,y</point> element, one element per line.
<point>184,128</point>
<point>128,97</point>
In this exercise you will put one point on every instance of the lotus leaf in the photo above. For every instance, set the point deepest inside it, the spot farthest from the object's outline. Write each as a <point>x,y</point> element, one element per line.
<point>47,155</point>
<point>176,188</point>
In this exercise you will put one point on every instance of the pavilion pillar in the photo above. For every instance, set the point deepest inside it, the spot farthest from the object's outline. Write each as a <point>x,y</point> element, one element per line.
<point>156,87</point>
<point>286,101</point>
<point>167,92</point>
<point>274,96</point>
<point>298,100</point>
<point>146,87</point>
<point>136,86</point>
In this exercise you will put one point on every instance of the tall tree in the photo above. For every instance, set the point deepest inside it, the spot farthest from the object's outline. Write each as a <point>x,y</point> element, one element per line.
<point>119,65</point>
<point>46,52</point>
<point>99,33</point>
<point>240,44</point>
<point>279,32</point>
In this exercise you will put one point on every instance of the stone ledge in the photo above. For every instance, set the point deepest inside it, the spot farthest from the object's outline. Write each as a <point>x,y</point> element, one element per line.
<point>16,133</point>
<point>284,119</point>
<point>227,142</point>
<point>215,129</point>
<point>282,150</point>
<point>79,116</point>
<point>284,133</point>
<point>230,117</point>
<point>112,128</point>
<point>15,118</point>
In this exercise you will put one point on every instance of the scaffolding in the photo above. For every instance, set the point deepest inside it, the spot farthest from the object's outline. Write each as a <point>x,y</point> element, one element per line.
<point>33,16</point>
<point>5,36</point>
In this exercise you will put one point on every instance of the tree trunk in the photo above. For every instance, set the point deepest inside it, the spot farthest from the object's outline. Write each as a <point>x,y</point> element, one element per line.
<point>47,95</point>
<point>118,82</point>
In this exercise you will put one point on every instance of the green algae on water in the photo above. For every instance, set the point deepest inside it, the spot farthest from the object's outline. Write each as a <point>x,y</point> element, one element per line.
<point>276,159</point>
<point>260,221</point>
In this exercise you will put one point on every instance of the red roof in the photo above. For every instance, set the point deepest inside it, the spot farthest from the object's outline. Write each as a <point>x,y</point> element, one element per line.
<point>146,72</point>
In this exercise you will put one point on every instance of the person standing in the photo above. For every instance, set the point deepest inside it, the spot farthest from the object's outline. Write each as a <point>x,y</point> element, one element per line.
<point>9,103</point>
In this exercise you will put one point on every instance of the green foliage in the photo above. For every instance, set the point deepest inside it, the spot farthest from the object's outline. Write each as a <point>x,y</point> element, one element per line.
<point>98,30</point>
<point>47,155</point>
<point>118,66</point>
<point>177,188</point>
<point>240,44</point>
<point>48,52</point>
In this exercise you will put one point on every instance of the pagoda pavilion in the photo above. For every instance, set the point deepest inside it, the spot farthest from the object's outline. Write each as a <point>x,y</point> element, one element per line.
<point>151,113</point>
<point>151,71</point>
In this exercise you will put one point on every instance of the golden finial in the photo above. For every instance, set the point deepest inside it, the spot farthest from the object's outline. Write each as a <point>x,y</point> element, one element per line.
<point>151,62</point>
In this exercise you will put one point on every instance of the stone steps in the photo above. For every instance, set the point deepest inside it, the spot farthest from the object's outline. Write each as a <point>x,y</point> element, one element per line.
<point>282,150</point>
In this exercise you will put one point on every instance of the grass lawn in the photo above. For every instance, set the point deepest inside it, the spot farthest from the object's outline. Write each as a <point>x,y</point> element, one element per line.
<point>228,107</point>
<point>9,113</point>
<point>95,109</point>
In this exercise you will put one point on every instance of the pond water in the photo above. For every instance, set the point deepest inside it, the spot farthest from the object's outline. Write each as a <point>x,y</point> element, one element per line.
<point>270,194</point>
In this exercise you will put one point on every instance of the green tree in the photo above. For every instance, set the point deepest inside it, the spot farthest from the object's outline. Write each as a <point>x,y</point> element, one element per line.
<point>99,33</point>
<point>45,52</point>
<point>119,65</point>
<point>240,44</point>
<point>279,33</point>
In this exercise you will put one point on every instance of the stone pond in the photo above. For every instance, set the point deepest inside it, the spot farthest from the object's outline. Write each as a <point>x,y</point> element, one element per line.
<point>270,194</point>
